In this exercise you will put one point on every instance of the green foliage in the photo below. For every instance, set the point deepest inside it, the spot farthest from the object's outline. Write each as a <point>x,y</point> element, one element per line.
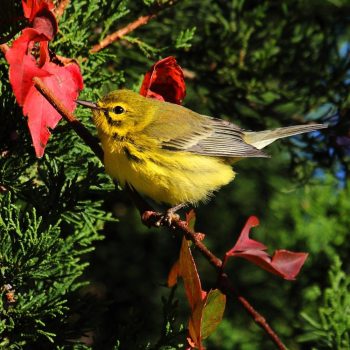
<point>261,64</point>
<point>172,335</point>
<point>39,268</point>
<point>316,214</point>
<point>184,40</point>
<point>12,21</point>
<point>331,329</point>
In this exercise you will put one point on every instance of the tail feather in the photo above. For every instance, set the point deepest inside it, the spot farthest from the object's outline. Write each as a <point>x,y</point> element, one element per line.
<point>260,139</point>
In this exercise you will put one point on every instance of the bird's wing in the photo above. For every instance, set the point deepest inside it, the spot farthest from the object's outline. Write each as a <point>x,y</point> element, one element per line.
<point>177,128</point>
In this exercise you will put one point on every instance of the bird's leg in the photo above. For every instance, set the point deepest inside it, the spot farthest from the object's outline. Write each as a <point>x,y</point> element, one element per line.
<point>170,215</point>
<point>142,205</point>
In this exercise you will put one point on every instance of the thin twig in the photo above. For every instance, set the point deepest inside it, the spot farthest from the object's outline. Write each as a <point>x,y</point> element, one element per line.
<point>79,128</point>
<point>151,218</point>
<point>261,321</point>
<point>59,9</point>
<point>227,288</point>
<point>142,20</point>
<point>4,48</point>
<point>111,38</point>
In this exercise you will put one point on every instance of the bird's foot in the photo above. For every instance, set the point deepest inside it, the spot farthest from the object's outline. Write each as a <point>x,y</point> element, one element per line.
<point>169,216</point>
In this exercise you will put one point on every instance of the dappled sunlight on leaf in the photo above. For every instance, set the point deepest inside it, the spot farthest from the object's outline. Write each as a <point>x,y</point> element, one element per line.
<point>28,58</point>
<point>206,308</point>
<point>164,81</point>
<point>213,310</point>
<point>189,273</point>
<point>283,263</point>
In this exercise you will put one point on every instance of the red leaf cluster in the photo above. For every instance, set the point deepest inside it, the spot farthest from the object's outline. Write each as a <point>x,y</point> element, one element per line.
<point>165,81</point>
<point>283,263</point>
<point>28,58</point>
<point>207,308</point>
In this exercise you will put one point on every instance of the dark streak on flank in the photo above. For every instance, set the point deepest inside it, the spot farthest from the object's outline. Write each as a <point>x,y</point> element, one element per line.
<point>117,137</point>
<point>131,156</point>
<point>154,161</point>
<point>110,121</point>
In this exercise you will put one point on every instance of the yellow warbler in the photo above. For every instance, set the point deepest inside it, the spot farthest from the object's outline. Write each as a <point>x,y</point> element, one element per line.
<point>171,153</point>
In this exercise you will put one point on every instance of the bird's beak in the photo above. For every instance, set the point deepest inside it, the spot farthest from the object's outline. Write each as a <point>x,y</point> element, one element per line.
<point>88,104</point>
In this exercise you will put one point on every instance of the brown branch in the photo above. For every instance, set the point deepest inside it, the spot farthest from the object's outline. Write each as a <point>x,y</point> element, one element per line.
<point>79,128</point>
<point>141,21</point>
<point>227,288</point>
<point>59,9</point>
<point>261,321</point>
<point>151,218</point>
<point>111,38</point>
<point>4,48</point>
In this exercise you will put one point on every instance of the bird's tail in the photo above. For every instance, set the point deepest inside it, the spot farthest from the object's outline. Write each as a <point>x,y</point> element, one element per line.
<point>260,139</point>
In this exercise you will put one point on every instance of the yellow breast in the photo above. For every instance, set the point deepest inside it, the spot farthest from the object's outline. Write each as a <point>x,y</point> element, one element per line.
<point>170,177</point>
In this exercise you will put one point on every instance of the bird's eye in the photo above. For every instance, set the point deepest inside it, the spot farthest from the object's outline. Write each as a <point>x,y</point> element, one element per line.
<point>118,110</point>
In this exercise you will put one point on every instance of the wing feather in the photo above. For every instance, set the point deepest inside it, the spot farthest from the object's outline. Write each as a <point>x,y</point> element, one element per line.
<point>177,128</point>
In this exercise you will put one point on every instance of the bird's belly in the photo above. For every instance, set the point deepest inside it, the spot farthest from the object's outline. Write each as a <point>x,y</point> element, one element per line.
<point>169,177</point>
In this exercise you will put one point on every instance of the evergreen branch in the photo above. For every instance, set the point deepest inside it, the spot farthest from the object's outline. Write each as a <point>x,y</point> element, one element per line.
<point>61,6</point>
<point>142,20</point>
<point>79,128</point>
<point>111,38</point>
<point>151,218</point>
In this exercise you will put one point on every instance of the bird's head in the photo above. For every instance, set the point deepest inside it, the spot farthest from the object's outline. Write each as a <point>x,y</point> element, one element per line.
<point>121,112</point>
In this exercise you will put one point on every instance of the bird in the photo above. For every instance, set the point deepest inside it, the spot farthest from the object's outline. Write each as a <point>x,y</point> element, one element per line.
<point>170,153</point>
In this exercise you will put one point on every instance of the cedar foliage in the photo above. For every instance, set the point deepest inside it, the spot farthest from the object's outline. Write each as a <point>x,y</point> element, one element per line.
<point>70,273</point>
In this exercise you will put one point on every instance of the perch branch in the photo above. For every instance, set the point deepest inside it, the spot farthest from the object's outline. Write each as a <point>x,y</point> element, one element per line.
<point>79,128</point>
<point>150,218</point>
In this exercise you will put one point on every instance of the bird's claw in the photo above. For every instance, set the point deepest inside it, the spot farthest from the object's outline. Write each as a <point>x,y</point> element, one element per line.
<point>167,219</point>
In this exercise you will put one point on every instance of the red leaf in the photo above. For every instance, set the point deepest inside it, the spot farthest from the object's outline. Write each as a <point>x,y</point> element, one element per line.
<point>244,242</point>
<point>283,263</point>
<point>45,22</point>
<point>188,272</point>
<point>164,81</point>
<point>288,263</point>
<point>31,7</point>
<point>23,66</point>
<point>65,83</point>
<point>173,274</point>
<point>194,327</point>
